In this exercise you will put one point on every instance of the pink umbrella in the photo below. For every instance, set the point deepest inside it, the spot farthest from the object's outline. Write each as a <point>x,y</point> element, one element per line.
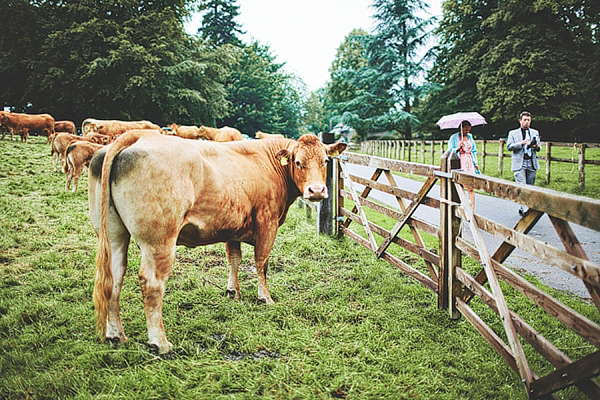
<point>453,121</point>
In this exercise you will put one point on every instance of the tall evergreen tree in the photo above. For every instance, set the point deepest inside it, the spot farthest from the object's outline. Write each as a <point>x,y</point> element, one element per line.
<point>218,22</point>
<point>395,53</point>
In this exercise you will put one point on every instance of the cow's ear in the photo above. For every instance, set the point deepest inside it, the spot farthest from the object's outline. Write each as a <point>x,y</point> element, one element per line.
<point>336,149</point>
<point>284,156</point>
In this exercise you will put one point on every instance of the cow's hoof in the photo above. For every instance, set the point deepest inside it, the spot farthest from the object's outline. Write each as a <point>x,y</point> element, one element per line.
<point>161,349</point>
<point>113,341</point>
<point>265,301</point>
<point>232,294</point>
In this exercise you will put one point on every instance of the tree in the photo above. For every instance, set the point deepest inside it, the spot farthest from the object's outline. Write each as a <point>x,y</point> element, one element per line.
<point>453,78</point>
<point>218,24</point>
<point>315,119</point>
<point>504,57</point>
<point>263,97</point>
<point>110,59</point>
<point>394,52</point>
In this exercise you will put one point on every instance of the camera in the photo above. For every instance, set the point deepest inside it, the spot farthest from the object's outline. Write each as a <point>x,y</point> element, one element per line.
<point>533,143</point>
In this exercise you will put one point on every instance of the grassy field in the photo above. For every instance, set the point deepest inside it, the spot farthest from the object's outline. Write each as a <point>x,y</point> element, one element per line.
<point>563,176</point>
<point>344,325</point>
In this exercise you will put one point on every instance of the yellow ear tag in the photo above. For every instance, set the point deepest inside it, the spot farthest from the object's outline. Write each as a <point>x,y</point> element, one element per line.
<point>335,153</point>
<point>283,160</point>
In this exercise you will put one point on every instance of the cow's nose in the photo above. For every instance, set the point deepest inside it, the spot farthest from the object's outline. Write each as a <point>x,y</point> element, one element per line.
<point>316,192</point>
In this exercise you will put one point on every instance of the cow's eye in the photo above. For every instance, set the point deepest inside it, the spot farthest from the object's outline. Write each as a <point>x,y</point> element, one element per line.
<point>298,165</point>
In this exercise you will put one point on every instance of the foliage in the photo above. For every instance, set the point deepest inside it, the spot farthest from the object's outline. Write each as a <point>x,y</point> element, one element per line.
<point>344,324</point>
<point>104,59</point>
<point>374,78</point>
<point>262,95</point>
<point>315,118</point>
<point>504,57</point>
<point>218,22</point>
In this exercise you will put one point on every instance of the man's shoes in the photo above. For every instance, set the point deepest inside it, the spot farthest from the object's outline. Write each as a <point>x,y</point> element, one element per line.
<point>521,211</point>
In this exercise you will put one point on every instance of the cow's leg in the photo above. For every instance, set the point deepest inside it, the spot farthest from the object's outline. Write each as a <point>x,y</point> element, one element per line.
<point>69,178</point>
<point>262,249</point>
<point>63,162</point>
<point>234,258</point>
<point>55,160</point>
<point>119,243</point>
<point>156,265</point>
<point>75,172</point>
<point>76,176</point>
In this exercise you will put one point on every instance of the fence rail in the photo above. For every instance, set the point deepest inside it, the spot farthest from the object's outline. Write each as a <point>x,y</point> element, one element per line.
<point>442,269</point>
<point>416,150</point>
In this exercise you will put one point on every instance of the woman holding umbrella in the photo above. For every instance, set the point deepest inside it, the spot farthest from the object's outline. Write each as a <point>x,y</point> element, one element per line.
<point>462,143</point>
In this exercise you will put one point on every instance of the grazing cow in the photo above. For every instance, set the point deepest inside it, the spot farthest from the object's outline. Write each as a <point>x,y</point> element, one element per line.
<point>186,132</point>
<point>60,143</point>
<point>24,124</point>
<point>116,128</point>
<point>265,135</point>
<point>87,124</point>
<point>78,155</point>
<point>65,126</point>
<point>164,191</point>
<point>98,138</point>
<point>224,134</point>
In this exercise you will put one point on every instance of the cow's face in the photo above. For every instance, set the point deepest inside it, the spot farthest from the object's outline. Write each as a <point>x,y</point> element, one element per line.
<point>307,161</point>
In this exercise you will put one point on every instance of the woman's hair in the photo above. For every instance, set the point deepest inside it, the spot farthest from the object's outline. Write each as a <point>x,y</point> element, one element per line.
<point>465,123</point>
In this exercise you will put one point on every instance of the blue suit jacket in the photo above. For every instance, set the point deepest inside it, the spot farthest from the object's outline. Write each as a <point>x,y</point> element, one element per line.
<point>515,137</point>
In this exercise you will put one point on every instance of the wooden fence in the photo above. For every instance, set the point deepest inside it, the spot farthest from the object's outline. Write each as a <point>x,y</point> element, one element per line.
<point>416,150</point>
<point>441,270</point>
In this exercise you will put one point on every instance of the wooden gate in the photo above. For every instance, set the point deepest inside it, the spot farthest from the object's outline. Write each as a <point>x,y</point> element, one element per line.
<point>455,287</point>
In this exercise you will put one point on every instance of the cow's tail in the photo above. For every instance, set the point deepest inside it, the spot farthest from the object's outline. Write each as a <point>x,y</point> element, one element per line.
<point>52,151</point>
<point>69,158</point>
<point>103,282</point>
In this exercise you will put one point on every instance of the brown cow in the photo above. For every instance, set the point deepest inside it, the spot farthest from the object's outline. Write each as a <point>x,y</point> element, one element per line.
<point>99,139</point>
<point>163,191</point>
<point>60,143</point>
<point>224,134</point>
<point>265,135</point>
<point>116,128</point>
<point>78,155</point>
<point>86,125</point>
<point>186,132</point>
<point>65,126</point>
<point>24,124</point>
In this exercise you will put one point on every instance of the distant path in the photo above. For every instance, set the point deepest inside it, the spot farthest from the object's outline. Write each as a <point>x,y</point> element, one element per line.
<point>506,213</point>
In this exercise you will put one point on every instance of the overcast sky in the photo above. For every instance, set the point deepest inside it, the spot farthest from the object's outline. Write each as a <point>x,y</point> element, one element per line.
<point>304,34</point>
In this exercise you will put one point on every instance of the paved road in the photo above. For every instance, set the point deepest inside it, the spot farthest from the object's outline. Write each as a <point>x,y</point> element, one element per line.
<point>506,213</point>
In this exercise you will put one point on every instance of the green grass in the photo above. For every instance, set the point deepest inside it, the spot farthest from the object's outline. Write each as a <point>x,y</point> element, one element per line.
<point>563,176</point>
<point>344,325</point>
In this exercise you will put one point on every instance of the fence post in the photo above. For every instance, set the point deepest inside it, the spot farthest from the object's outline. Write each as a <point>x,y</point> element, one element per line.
<point>339,203</point>
<point>325,207</point>
<point>403,150</point>
<point>500,157</point>
<point>450,255</point>
<point>581,162</point>
<point>548,160</point>
<point>432,152</point>
<point>483,142</point>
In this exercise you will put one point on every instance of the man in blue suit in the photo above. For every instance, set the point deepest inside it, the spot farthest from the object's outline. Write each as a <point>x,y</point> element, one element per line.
<point>524,142</point>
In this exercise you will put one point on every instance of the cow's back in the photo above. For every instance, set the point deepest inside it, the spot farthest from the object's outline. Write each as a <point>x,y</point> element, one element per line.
<point>206,191</point>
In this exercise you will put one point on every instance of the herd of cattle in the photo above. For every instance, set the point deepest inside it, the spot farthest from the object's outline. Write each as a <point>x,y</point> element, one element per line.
<point>165,191</point>
<point>74,152</point>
